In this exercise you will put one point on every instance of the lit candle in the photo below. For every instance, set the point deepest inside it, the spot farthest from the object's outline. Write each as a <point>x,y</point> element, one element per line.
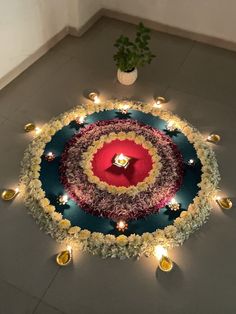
<point>64,257</point>
<point>170,126</point>
<point>121,225</point>
<point>37,130</point>
<point>174,205</point>
<point>29,127</point>
<point>80,120</point>
<point>213,138</point>
<point>94,97</point>
<point>121,161</point>
<point>63,199</point>
<point>50,156</point>
<point>224,202</point>
<point>124,109</point>
<point>159,101</point>
<point>191,162</point>
<point>165,263</point>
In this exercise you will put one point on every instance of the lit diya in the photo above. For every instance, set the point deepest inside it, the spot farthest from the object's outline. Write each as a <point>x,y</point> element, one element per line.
<point>121,161</point>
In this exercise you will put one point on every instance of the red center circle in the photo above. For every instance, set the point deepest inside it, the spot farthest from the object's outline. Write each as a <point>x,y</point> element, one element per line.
<point>138,169</point>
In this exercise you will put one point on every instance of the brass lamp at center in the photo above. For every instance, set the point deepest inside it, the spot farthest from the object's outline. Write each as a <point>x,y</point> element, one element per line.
<point>121,161</point>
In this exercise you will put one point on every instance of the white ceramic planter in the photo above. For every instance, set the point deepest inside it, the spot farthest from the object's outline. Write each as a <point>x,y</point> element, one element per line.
<point>127,78</point>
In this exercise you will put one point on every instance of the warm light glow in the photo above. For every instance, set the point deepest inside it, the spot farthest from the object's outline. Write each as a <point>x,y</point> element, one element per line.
<point>50,156</point>
<point>160,251</point>
<point>213,138</point>
<point>174,205</point>
<point>159,101</point>
<point>121,225</point>
<point>173,201</point>
<point>63,199</point>
<point>81,120</point>
<point>224,202</point>
<point>124,108</point>
<point>69,248</point>
<point>170,126</point>
<point>96,99</point>
<point>121,161</point>
<point>157,104</point>
<point>17,190</point>
<point>37,130</point>
<point>191,162</point>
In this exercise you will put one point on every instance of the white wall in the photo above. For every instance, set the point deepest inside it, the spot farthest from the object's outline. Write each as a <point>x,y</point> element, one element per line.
<point>209,17</point>
<point>80,11</point>
<point>25,25</point>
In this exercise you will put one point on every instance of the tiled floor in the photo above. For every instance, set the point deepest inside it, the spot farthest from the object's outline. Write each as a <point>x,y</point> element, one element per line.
<point>199,81</point>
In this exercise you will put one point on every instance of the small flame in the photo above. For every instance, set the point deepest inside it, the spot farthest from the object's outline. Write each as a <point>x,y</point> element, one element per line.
<point>37,130</point>
<point>160,251</point>
<point>96,100</point>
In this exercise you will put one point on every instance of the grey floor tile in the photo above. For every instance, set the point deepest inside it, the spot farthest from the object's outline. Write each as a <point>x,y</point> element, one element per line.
<point>208,72</point>
<point>44,308</point>
<point>171,52</point>
<point>14,301</point>
<point>28,255</point>
<point>198,284</point>
<point>207,116</point>
<point>97,42</point>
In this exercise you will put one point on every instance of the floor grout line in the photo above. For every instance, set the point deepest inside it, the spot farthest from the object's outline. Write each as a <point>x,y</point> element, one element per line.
<point>46,290</point>
<point>179,67</point>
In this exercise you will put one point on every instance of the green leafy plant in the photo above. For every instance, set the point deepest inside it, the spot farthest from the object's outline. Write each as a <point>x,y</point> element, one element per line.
<point>133,54</point>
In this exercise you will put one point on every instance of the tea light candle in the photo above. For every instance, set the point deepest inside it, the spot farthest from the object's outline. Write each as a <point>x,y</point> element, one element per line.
<point>124,109</point>
<point>170,126</point>
<point>121,160</point>
<point>174,205</point>
<point>50,156</point>
<point>80,120</point>
<point>191,162</point>
<point>121,225</point>
<point>63,199</point>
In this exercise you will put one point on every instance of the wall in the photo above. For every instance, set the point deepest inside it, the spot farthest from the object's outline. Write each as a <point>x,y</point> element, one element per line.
<point>80,11</point>
<point>208,17</point>
<point>25,26</point>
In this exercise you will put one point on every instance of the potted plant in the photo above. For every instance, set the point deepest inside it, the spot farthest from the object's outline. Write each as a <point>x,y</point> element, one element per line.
<point>131,55</point>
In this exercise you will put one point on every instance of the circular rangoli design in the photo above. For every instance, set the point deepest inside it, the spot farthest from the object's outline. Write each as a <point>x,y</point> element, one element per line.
<point>132,166</point>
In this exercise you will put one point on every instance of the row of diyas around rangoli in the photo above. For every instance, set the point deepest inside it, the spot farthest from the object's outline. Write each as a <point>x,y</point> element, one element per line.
<point>121,246</point>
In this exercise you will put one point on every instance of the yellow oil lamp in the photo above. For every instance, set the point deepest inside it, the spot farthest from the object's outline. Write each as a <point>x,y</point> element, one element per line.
<point>159,101</point>
<point>64,258</point>
<point>165,263</point>
<point>213,138</point>
<point>9,194</point>
<point>224,202</point>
